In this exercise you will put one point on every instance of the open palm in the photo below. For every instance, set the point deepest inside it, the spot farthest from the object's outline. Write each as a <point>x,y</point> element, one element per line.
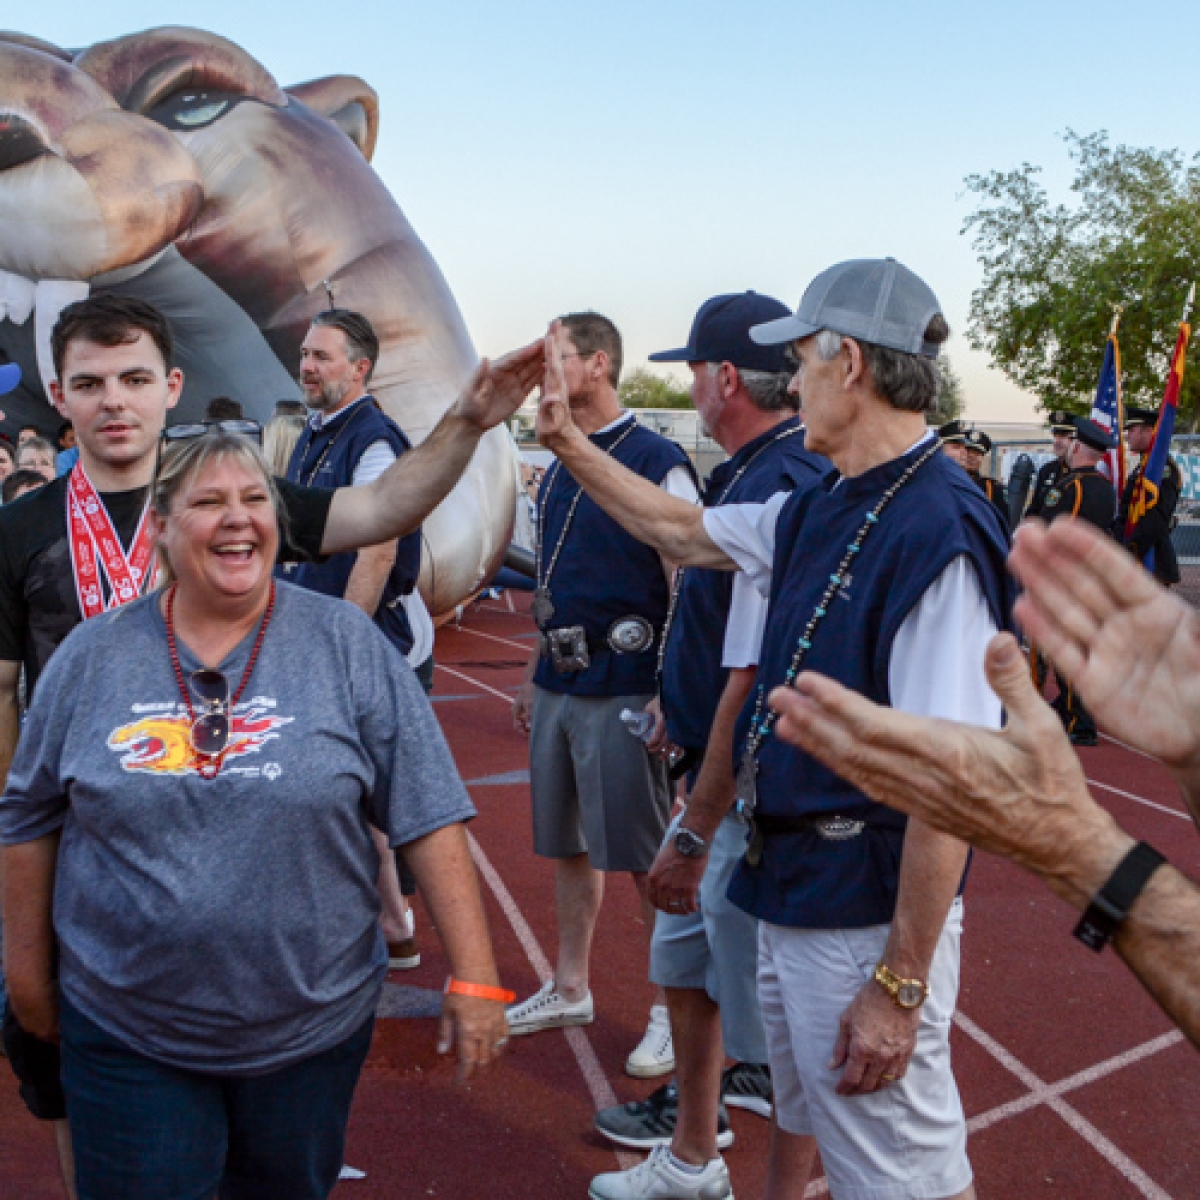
<point>1130,648</point>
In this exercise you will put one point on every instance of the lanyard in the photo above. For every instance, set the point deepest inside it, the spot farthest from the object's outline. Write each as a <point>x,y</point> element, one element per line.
<point>96,548</point>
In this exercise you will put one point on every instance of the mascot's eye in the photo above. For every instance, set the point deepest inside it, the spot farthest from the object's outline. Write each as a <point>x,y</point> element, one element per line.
<point>192,109</point>
<point>19,141</point>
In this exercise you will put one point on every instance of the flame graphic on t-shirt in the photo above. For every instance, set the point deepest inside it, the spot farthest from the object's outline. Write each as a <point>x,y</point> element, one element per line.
<point>163,745</point>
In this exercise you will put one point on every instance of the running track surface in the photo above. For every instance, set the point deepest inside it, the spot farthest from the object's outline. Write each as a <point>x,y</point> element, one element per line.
<point>1074,1083</point>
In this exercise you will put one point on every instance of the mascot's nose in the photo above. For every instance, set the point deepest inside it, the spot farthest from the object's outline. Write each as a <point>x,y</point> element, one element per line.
<point>19,142</point>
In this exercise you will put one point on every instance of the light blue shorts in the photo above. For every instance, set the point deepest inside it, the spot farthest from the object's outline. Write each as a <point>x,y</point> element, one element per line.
<point>716,948</point>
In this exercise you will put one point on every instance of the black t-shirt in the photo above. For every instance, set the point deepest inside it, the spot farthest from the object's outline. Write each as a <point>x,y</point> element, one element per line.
<point>38,604</point>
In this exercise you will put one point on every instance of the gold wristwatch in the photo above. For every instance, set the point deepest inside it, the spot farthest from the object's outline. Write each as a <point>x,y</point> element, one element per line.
<point>907,993</point>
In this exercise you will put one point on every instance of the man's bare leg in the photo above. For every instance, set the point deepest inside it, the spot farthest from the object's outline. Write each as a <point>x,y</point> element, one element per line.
<point>699,1057</point>
<point>394,915</point>
<point>789,1164</point>
<point>649,914</point>
<point>66,1157</point>
<point>578,892</point>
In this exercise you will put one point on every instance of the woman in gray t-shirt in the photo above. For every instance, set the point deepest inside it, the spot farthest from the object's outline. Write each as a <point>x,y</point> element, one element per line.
<point>194,789</point>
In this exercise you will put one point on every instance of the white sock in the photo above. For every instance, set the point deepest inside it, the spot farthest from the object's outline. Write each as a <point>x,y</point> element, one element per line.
<point>686,1167</point>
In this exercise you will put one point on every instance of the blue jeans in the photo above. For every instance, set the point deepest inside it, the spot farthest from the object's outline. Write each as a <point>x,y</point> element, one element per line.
<point>146,1131</point>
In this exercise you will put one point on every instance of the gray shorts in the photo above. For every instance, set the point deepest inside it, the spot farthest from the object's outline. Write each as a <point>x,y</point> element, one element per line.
<point>595,789</point>
<point>716,948</point>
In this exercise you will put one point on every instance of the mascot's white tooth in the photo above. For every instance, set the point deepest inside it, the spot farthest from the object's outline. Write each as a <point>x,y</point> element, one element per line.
<point>16,297</point>
<point>53,295</point>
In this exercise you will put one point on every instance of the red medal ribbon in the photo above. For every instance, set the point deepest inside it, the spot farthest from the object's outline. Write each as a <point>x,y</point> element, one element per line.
<point>95,546</point>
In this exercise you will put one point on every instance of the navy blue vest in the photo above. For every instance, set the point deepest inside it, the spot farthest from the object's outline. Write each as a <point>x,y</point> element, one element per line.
<point>604,573</point>
<point>693,678</point>
<point>804,880</point>
<point>326,458</point>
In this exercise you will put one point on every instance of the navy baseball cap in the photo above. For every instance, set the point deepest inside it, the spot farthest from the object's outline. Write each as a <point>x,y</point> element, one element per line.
<point>721,333</point>
<point>876,300</point>
<point>1091,434</point>
<point>10,377</point>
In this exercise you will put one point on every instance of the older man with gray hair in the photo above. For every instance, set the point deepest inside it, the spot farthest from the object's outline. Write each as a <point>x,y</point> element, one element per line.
<point>890,578</point>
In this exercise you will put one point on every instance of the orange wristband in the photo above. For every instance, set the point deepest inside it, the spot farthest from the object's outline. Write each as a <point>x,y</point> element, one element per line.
<point>480,991</point>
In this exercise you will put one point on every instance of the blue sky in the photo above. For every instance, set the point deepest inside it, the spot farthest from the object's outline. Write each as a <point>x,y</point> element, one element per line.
<point>637,158</point>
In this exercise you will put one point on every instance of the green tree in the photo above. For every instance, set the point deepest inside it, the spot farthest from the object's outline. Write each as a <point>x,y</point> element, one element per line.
<point>951,400</point>
<point>645,389</point>
<point>1052,272</point>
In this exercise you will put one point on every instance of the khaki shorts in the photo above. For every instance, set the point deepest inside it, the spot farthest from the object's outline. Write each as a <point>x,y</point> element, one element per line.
<point>595,789</point>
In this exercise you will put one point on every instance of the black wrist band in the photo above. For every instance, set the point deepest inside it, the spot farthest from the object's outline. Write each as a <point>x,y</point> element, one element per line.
<point>1111,904</point>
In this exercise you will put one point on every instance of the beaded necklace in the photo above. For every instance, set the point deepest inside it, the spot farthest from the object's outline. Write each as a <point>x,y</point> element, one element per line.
<point>762,724</point>
<point>542,607</point>
<point>208,766</point>
<point>677,582</point>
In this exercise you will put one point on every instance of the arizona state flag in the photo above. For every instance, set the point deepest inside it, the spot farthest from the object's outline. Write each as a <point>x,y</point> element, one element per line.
<point>1146,495</point>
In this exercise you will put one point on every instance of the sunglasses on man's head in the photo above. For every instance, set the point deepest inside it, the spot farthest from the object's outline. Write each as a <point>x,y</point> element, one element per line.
<point>195,429</point>
<point>210,730</point>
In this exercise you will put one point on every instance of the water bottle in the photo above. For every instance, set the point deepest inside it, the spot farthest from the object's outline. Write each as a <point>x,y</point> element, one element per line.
<point>639,724</point>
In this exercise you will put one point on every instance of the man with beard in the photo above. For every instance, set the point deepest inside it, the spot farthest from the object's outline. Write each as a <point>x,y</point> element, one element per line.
<point>350,441</point>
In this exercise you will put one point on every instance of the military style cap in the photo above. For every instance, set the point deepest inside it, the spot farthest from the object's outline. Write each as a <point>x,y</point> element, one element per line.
<point>976,439</point>
<point>1061,422</point>
<point>1090,434</point>
<point>954,431</point>
<point>1140,416</point>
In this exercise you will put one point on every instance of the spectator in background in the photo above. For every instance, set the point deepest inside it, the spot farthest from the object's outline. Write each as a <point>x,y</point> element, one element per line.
<point>37,454</point>
<point>18,483</point>
<point>280,436</point>
<point>290,408</point>
<point>25,433</point>
<point>222,408</point>
<point>68,451</point>
<point>8,457</point>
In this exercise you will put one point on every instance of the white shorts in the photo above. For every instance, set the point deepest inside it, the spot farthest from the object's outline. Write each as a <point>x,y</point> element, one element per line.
<point>906,1142</point>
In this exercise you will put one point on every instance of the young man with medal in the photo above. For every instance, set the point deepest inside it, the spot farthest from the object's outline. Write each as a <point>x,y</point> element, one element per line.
<point>81,544</point>
<point>703,955</point>
<point>890,575</point>
<point>600,802</point>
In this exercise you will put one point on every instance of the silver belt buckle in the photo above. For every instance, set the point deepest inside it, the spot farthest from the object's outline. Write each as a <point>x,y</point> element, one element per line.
<point>567,649</point>
<point>630,635</point>
<point>838,829</point>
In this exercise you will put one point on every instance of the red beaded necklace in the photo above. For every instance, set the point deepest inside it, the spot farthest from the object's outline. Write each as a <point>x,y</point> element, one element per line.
<point>208,766</point>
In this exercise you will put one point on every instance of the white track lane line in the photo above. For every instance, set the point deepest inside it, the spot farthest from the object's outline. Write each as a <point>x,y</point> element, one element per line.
<point>589,1065</point>
<point>1116,1158</point>
<point>1072,1082</point>
<point>468,679</point>
<point>1108,787</point>
<point>491,637</point>
<point>1108,737</point>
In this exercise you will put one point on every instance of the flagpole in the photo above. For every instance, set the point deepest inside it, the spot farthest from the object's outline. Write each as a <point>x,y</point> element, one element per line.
<point>1187,304</point>
<point>1118,309</point>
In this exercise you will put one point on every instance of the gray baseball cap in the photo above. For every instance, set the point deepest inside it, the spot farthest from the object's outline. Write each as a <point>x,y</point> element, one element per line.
<point>876,300</point>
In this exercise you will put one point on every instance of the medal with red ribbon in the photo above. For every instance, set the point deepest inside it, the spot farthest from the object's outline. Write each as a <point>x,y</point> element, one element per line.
<point>95,547</point>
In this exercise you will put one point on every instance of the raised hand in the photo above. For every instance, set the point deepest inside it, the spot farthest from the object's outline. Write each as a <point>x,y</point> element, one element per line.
<point>554,423</point>
<point>497,389</point>
<point>1130,648</point>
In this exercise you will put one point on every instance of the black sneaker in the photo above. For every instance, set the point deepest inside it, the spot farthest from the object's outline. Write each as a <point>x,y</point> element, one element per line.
<point>644,1124</point>
<point>748,1085</point>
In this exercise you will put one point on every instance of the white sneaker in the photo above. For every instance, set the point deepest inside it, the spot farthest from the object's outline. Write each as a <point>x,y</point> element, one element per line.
<point>658,1178</point>
<point>546,1009</point>
<point>655,1053</point>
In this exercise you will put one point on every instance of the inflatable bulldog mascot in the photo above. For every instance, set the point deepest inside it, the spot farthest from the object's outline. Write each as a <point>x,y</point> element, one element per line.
<point>170,165</point>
